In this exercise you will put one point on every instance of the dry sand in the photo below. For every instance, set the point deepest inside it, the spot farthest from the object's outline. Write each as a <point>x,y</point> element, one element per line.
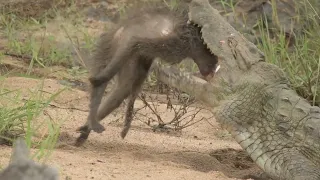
<point>197,152</point>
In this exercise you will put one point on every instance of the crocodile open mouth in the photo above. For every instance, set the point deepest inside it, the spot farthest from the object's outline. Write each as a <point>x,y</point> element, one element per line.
<point>217,66</point>
<point>209,64</point>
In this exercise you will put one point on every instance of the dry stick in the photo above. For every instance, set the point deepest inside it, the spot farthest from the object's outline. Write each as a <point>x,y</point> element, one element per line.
<point>74,47</point>
<point>177,117</point>
<point>146,116</point>
<point>180,119</point>
<point>191,124</point>
<point>153,110</point>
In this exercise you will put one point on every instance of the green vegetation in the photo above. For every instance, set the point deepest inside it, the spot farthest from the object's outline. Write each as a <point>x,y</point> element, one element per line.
<point>23,117</point>
<point>300,61</point>
<point>297,52</point>
<point>28,39</point>
<point>32,39</point>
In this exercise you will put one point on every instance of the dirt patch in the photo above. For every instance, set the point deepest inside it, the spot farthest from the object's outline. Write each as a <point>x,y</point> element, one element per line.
<point>194,153</point>
<point>237,163</point>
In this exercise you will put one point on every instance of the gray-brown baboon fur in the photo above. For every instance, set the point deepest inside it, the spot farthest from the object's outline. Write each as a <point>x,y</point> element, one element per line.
<point>23,168</point>
<point>128,51</point>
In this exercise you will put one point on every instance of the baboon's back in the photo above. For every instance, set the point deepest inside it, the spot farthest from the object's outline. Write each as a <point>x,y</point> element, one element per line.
<point>136,15</point>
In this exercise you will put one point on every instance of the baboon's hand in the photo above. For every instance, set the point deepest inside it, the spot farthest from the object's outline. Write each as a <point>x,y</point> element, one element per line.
<point>95,81</point>
<point>84,134</point>
<point>81,139</point>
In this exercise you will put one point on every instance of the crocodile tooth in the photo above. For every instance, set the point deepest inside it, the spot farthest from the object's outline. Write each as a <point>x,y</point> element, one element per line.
<point>217,69</point>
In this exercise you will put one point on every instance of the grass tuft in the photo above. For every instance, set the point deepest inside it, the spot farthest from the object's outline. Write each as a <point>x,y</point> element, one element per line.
<point>301,60</point>
<point>22,117</point>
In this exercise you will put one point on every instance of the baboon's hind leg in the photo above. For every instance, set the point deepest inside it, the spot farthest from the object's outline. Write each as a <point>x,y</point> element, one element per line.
<point>120,91</point>
<point>116,64</point>
<point>118,60</point>
<point>112,101</point>
<point>129,81</point>
<point>143,69</point>
<point>95,100</point>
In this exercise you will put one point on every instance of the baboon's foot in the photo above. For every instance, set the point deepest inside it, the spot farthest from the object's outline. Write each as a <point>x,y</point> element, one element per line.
<point>83,129</point>
<point>96,81</point>
<point>96,127</point>
<point>81,139</point>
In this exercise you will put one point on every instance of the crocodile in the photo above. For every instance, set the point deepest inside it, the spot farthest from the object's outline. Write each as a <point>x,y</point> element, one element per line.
<point>253,100</point>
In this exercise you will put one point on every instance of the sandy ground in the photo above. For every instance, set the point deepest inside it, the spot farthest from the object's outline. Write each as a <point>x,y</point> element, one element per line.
<point>201,151</point>
<point>197,152</point>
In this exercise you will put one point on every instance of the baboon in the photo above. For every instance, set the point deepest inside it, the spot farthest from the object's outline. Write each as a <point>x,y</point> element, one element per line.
<point>128,51</point>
